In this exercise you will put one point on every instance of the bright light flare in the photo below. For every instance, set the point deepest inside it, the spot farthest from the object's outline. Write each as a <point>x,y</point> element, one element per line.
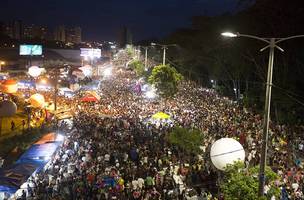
<point>43,81</point>
<point>107,72</point>
<point>229,34</point>
<point>150,94</point>
<point>59,138</point>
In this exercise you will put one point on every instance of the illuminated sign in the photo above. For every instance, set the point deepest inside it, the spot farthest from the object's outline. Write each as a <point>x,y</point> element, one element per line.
<point>90,53</point>
<point>30,50</point>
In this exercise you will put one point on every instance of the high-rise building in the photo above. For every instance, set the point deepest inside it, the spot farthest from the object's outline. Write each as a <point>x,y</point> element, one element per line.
<point>17,29</point>
<point>60,34</point>
<point>35,32</point>
<point>78,35</point>
<point>73,35</point>
<point>125,37</point>
<point>40,32</point>
<point>28,32</point>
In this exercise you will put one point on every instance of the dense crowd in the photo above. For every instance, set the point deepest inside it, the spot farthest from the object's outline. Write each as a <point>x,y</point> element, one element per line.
<point>114,152</point>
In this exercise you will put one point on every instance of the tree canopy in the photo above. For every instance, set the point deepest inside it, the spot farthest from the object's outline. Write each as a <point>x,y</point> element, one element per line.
<point>166,79</point>
<point>138,66</point>
<point>242,183</point>
<point>187,139</point>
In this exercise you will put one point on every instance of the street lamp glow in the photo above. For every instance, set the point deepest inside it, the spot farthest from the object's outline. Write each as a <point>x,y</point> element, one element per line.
<point>150,94</point>
<point>229,34</point>
<point>59,138</point>
<point>43,81</point>
<point>107,72</point>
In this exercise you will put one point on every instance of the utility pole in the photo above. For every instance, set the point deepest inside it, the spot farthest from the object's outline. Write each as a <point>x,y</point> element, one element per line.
<point>271,44</point>
<point>164,54</point>
<point>146,58</point>
<point>56,89</point>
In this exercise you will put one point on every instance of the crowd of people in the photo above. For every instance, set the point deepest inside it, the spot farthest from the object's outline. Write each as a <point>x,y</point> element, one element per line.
<point>113,152</point>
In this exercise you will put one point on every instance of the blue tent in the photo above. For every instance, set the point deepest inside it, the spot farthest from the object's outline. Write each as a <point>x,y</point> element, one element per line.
<point>31,161</point>
<point>13,177</point>
<point>39,153</point>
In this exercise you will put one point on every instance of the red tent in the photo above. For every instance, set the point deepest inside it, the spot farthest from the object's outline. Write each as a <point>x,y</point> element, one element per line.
<point>89,98</point>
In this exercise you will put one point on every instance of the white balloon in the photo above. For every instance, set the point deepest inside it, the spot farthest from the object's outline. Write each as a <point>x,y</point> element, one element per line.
<point>226,151</point>
<point>34,71</point>
<point>37,100</point>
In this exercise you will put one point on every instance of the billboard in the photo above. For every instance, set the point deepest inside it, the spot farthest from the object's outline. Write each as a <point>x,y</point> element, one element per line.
<point>30,50</point>
<point>91,53</point>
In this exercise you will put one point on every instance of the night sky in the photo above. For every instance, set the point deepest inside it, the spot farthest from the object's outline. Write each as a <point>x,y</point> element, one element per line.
<point>102,19</point>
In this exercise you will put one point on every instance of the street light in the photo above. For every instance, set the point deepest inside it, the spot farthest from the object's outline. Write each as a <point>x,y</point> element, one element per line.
<point>164,47</point>
<point>55,80</point>
<point>229,34</point>
<point>1,63</point>
<point>146,55</point>
<point>271,44</point>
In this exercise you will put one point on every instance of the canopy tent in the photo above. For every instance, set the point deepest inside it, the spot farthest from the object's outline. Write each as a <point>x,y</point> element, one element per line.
<point>160,115</point>
<point>94,85</point>
<point>90,96</point>
<point>67,92</point>
<point>65,89</point>
<point>12,178</point>
<point>50,137</point>
<point>39,153</point>
<point>30,162</point>
<point>25,84</point>
<point>93,93</point>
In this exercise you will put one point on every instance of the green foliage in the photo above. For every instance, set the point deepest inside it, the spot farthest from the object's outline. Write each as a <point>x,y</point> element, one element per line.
<point>129,51</point>
<point>242,183</point>
<point>166,79</point>
<point>187,139</point>
<point>138,66</point>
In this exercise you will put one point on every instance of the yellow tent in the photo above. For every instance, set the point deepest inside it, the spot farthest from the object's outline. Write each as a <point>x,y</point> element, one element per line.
<point>160,115</point>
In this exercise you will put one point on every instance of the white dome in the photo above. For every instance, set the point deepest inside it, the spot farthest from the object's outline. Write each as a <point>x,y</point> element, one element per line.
<point>34,71</point>
<point>226,151</point>
<point>37,100</point>
<point>7,108</point>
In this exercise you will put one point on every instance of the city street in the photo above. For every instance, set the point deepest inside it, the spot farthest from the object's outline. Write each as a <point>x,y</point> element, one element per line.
<point>151,100</point>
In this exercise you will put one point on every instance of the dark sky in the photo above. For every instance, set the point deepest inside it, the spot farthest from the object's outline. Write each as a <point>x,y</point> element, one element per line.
<point>102,19</point>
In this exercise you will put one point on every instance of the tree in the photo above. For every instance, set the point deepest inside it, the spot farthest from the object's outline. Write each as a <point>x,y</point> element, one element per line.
<point>242,183</point>
<point>188,140</point>
<point>166,79</point>
<point>138,66</point>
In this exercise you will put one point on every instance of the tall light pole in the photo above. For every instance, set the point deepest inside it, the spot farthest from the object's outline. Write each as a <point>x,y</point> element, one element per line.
<point>56,89</point>
<point>146,56</point>
<point>271,44</point>
<point>164,47</point>
<point>1,63</point>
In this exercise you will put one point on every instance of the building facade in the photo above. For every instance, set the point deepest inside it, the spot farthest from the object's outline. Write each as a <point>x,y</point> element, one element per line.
<point>73,35</point>
<point>60,34</point>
